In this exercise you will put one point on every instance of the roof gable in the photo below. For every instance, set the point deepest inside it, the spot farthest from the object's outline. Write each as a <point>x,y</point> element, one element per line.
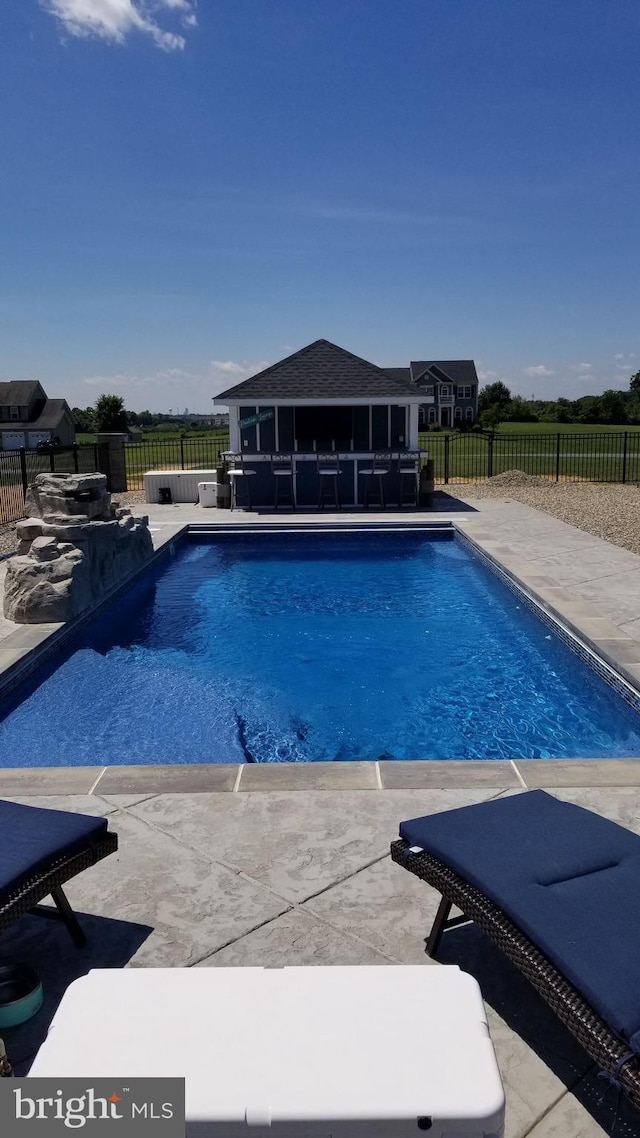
<point>19,392</point>
<point>321,370</point>
<point>455,371</point>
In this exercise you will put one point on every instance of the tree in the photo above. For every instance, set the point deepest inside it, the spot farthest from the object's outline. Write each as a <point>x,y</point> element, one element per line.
<point>612,407</point>
<point>497,394</point>
<point>83,420</point>
<point>109,414</point>
<point>492,416</point>
<point>522,411</point>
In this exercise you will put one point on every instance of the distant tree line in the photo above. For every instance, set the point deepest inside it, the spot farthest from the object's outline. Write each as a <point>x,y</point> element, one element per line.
<point>497,405</point>
<point>109,414</point>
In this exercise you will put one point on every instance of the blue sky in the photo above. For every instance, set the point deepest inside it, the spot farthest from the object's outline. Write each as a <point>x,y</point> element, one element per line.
<point>189,192</point>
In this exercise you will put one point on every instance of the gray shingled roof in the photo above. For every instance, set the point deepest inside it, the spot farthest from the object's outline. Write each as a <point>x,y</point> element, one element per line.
<point>49,418</point>
<point>322,370</point>
<point>459,371</point>
<point>17,392</point>
<point>399,373</point>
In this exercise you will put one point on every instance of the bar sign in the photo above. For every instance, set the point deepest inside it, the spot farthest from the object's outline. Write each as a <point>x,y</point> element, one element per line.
<point>251,420</point>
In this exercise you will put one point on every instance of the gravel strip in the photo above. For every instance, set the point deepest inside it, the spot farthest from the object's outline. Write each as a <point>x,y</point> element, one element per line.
<point>609,510</point>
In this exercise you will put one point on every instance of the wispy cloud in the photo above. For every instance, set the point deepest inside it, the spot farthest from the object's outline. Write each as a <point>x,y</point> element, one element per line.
<point>538,370</point>
<point>485,375</point>
<point>226,373</point>
<point>115,20</point>
<point>624,360</point>
<point>169,387</point>
<point>581,367</point>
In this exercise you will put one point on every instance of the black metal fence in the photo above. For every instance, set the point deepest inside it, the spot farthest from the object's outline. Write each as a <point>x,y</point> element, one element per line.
<point>18,468</point>
<point>172,454</point>
<point>611,456</point>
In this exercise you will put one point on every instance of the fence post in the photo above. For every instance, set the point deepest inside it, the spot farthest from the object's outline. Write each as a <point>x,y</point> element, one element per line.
<point>490,456</point>
<point>182,451</point>
<point>624,457</point>
<point>446,459</point>
<point>23,471</point>
<point>558,457</point>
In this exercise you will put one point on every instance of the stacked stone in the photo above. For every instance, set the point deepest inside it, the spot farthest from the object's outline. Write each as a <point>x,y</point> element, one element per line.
<point>73,548</point>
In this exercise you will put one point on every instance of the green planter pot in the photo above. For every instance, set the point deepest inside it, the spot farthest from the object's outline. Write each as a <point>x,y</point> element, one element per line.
<point>20,994</point>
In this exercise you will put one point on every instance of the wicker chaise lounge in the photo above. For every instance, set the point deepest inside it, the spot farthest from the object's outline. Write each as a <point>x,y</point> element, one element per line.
<point>557,888</point>
<point>39,851</point>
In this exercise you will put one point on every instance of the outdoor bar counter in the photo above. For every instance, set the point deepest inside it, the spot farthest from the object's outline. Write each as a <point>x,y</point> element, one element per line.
<point>352,489</point>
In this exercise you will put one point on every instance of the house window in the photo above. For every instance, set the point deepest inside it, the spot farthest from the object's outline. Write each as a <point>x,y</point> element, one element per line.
<point>422,417</point>
<point>465,392</point>
<point>429,390</point>
<point>458,413</point>
<point>469,413</point>
<point>432,414</point>
<point>15,413</point>
<point>444,391</point>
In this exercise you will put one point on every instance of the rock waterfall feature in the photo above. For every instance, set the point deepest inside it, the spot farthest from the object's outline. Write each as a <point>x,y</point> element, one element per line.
<point>74,547</point>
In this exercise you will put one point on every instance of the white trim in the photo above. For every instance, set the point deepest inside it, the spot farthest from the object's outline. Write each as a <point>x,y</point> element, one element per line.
<point>412,428</point>
<point>233,429</point>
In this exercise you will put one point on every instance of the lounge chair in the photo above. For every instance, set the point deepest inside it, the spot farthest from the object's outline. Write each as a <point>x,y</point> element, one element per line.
<point>557,888</point>
<point>39,851</point>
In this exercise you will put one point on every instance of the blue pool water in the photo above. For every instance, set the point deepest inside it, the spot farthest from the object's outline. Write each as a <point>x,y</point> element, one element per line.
<point>316,647</point>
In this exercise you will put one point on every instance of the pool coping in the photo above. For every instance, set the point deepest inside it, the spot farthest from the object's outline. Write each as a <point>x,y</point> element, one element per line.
<point>22,651</point>
<point>496,775</point>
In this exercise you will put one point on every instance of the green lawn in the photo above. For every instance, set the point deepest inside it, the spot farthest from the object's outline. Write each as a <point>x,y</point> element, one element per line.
<point>598,456</point>
<point>564,428</point>
<point>566,451</point>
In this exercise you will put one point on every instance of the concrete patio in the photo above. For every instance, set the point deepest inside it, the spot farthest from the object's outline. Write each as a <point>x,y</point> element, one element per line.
<point>290,865</point>
<point>304,877</point>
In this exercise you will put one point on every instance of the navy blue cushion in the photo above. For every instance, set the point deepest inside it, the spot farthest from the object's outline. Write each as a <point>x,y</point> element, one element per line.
<point>569,879</point>
<point>31,838</point>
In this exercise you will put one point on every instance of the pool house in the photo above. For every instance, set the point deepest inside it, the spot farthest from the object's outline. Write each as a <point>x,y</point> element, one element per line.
<point>312,428</point>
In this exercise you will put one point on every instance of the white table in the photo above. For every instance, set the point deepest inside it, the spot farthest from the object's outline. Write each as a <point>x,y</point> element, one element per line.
<point>329,1052</point>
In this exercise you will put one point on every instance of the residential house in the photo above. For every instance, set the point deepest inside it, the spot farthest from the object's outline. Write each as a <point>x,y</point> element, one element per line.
<point>450,391</point>
<point>28,417</point>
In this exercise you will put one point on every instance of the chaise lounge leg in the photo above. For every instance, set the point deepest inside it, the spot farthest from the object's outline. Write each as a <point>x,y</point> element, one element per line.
<point>62,912</point>
<point>68,916</point>
<point>433,939</point>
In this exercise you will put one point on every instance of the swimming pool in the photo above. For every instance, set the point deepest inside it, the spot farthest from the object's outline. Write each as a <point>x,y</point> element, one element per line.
<point>302,647</point>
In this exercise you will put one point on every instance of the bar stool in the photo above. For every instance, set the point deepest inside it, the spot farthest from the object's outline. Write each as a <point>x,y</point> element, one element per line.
<point>380,466</point>
<point>328,466</point>
<point>284,473</point>
<point>409,470</point>
<point>238,473</point>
